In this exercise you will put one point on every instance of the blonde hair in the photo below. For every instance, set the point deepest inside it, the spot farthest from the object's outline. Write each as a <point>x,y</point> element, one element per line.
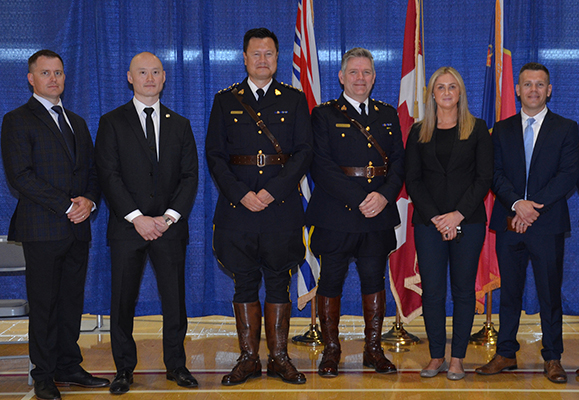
<point>465,121</point>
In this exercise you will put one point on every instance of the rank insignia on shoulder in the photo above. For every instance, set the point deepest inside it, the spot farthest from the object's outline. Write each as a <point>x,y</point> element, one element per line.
<point>344,108</point>
<point>277,92</point>
<point>241,92</point>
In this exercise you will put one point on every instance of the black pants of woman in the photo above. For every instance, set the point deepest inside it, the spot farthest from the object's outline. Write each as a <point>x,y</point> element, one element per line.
<point>434,258</point>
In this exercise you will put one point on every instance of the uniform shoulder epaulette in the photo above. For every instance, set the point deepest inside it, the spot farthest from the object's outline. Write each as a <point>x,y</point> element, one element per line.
<point>290,87</point>
<point>327,103</point>
<point>384,104</point>
<point>228,89</point>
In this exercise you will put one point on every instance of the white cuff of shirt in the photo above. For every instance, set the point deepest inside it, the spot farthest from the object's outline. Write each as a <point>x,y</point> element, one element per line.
<point>172,213</point>
<point>513,206</point>
<point>91,209</point>
<point>132,215</point>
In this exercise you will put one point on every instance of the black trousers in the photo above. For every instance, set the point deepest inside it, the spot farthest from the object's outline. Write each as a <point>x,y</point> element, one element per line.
<point>337,249</point>
<point>128,260</point>
<point>434,258</point>
<point>55,278</point>
<point>546,254</point>
<point>250,256</point>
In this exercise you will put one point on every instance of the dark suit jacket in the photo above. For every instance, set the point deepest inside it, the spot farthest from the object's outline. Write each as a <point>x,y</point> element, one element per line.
<point>131,180</point>
<point>338,143</point>
<point>462,186</point>
<point>39,166</point>
<point>553,172</point>
<point>231,131</point>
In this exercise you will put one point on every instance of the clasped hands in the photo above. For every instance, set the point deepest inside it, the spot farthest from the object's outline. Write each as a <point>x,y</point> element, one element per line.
<point>151,228</point>
<point>257,201</point>
<point>526,214</point>
<point>447,223</point>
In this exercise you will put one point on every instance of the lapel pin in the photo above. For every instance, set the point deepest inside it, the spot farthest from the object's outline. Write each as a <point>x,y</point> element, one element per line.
<point>375,107</point>
<point>343,108</point>
<point>277,92</point>
<point>241,92</point>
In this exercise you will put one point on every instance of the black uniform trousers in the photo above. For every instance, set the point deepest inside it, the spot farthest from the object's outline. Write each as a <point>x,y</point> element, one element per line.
<point>128,260</point>
<point>55,279</point>
<point>337,249</point>
<point>251,255</point>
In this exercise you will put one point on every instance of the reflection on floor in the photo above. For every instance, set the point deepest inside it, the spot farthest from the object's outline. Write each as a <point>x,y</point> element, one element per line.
<point>212,349</point>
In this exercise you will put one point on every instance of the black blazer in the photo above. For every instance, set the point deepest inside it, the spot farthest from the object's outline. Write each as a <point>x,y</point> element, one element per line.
<point>39,166</point>
<point>131,180</point>
<point>232,131</point>
<point>553,173</point>
<point>338,143</point>
<point>462,186</point>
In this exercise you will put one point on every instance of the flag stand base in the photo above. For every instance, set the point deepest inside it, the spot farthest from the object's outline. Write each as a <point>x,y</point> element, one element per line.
<point>399,337</point>
<point>313,337</point>
<point>487,336</point>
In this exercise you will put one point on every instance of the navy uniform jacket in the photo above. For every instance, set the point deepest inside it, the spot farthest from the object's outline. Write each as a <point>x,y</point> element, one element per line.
<point>39,166</point>
<point>338,143</point>
<point>553,172</point>
<point>462,186</point>
<point>130,178</point>
<point>232,131</point>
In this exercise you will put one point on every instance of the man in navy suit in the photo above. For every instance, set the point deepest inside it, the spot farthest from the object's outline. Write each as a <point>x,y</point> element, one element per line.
<point>536,156</point>
<point>147,165</point>
<point>48,159</point>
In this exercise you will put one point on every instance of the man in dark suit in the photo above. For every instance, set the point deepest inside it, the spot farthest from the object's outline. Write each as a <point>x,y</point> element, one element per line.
<point>48,159</point>
<point>147,166</point>
<point>259,214</point>
<point>536,156</point>
<point>353,207</point>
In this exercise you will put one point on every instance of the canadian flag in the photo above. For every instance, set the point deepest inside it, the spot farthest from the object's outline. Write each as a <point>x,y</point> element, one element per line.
<point>404,275</point>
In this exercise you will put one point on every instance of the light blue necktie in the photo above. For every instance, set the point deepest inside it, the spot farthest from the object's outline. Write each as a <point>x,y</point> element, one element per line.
<point>528,137</point>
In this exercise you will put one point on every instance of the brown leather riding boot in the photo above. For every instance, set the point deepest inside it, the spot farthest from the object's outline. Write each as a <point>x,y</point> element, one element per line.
<point>277,318</point>
<point>329,314</point>
<point>248,324</point>
<point>374,306</point>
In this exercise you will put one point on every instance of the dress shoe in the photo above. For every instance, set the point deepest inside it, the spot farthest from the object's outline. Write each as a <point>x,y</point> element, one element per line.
<point>46,390</point>
<point>122,382</point>
<point>80,378</point>
<point>182,377</point>
<point>496,365</point>
<point>431,373</point>
<point>555,372</point>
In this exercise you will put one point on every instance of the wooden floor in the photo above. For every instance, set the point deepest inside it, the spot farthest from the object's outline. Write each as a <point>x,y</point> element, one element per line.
<point>212,349</point>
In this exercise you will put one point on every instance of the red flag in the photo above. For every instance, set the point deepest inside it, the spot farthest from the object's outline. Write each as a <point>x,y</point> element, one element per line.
<point>498,104</point>
<point>404,274</point>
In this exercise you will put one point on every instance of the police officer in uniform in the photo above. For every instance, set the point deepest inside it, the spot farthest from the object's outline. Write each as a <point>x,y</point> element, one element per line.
<point>353,209</point>
<point>259,215</point>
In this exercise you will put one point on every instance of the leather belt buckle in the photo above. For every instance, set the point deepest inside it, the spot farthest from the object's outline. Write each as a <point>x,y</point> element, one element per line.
<point>261,160</point>
<point>370,172</point>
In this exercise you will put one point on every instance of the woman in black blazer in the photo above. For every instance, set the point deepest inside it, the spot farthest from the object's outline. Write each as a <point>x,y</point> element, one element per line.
<point>449,170</point>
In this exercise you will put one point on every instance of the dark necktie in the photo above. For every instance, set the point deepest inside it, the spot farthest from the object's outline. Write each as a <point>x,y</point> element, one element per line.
<point>151,131</point>
<point>260,94</point>
<point>363,109</point>
<point>66,131</point>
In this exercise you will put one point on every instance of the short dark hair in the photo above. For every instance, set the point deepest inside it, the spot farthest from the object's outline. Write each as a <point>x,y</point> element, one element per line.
<point>533,66</point>
<point>42,53</point>
<point>259,33</point>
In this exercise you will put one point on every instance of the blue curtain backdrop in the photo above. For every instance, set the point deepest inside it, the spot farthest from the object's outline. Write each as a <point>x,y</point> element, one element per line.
<point>200,44</point>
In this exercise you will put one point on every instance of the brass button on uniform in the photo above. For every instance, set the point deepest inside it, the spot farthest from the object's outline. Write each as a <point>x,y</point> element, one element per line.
<point>369,145</point>
<point>259,114</point>
<point>343,135</point>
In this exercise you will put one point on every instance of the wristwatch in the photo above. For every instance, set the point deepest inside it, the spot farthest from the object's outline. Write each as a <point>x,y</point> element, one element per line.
<point>168,220</point>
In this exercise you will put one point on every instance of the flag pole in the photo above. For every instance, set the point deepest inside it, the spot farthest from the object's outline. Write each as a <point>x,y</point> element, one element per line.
<point>488,335</point>
<point>313,336</point>
<point>398,337</point>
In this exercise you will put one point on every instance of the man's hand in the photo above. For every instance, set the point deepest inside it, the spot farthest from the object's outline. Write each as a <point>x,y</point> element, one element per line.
<point>446,224</point>
<point>253,203</point>
<point>527,211</point>
<point>373,204</point>
<point>161,224</point>
<point>264,196</point>
<point>81,208</point>
<point>147,227</point>
<point>519,225</point>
